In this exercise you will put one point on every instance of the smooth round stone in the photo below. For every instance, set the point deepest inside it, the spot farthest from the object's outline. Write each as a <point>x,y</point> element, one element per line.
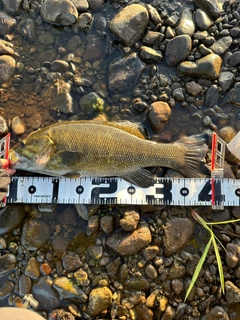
<point>12,6</point>
<point>10,218</point>
<point>203,21</point>
<point>99,300</point>
<point>226,80</point>
<point>222,45</point>
<point>186,24</point>
<point>147,53</point>
<point>212,7</point>
<point>178,49</point>
<point>6,23</point>
<point>7,68</point>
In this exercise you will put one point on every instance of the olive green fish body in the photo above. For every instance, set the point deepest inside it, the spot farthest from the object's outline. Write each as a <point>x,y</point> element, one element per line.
<point>88,148</point>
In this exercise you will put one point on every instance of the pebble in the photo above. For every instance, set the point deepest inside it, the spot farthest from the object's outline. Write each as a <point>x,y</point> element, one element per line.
<point>178,49</point>
<point>151,272</point>
<point>7,22</point>
<point>232,294</point>
<point>81,277</point>
<point>130,220</point>
<point>35,233</point>
<point>232,255</point>
<point>212,7</point>
<point>99,300</point>
<point>233,96</point>
<point>203,21</point>
<point>234,59</point>
<point>68,291</point>
<point>147,53</point>
<point>33,269</point>
<point>186,24</point>
<point>126,243</point>
<point>178,94</point>
<point>158,115</point>
<point>193,88</point>
<point>129,24</point>
<point>222,45</point>
<point>91,103</point>
<point>95,4</point>
<point>150,252</point>
<point>226,80</point>
<point>12,6</point>
<point>8,262</point>
<point>7,68</point>
<point>10,218</point>
<point>25,284</point>
<point>174,238</point>
<point>216,313</point>
<point>71,261</point>
<point>107,224</point>
<point>208,67</point>
<point>212,96</point>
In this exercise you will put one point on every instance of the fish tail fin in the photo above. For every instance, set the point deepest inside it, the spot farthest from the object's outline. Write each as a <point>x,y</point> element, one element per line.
<point>195,152</point>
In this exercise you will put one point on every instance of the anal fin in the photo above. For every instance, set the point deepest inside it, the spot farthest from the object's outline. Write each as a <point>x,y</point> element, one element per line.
<point>142,178</point>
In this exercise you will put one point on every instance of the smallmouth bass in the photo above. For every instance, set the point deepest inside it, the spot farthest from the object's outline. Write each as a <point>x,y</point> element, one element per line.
<point>105,149</point>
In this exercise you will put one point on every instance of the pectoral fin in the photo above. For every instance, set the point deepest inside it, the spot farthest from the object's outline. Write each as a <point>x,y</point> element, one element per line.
<point>45,148</point>
<point>142,178</point>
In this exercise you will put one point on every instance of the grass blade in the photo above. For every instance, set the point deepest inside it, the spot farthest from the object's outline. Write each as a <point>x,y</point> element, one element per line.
<point>219,263</point>
<point>199,267</point>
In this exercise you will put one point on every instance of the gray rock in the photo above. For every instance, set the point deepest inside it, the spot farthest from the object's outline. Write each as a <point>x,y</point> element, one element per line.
<point>178,49</point>
<point>130,220</point>
<point>138,283</point>
<point>95,49</point>
<point>177,234</point>
<point>212,7</point>
<point>7,263</point>
<point>96,4</point>
<point>107,224</point>
<point>71,262</point>
<point>32,269</point>
<point>204,50</point>
<point>124,72</point>
<point>203,21</point>
<point>221,46</point>
<point>127,243</point>
<point>216,313</point>
<point>45,294</point>
<point>35,233</point>
<point>10,218</point>
<point>129,24</point>
<point>208,67</point>
<point>153,14</point>
<point>6,23</point>
<point>226,80</point>
<point>178,94</point>
<point>3,244</point>
<point>95,252</point>
<point>26,29</point>
<point>60,244</point>
<point>99,300</point>
<point>212,96</point>
<point>7,288</point>
<point>158,115</point>
<point>233,96</point>
<point>234,59</point>
<point>7,68</point>
<point>67,291</point>
<point>59,12</point>
<point>186,24</point>
<point>12,6</point>
<point>193,88</point>
<point>91,103</point>
<point>147,53</point>
<point>25,284</point>
<point>81,5</point>
<point>60,65</point>
<point>232,294</point>
<point>83,22</point>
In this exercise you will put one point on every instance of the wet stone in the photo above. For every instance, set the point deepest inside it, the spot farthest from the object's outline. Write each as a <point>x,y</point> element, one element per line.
<point>95,252</point>
<point>95,49</point>
<point>151,37</point>
<point>113,266</point>
<point>45,294</point>
<point>153,14</point>
<point>3,244</point>
<point>24,284</point>
<point>232,294</point>
<point>71,262</point>
<point>158,115</point>
<point>107,224</point>
<point>193,88</point>
<point>226,80</point>
<point>7,263</point>
<point>81,277</point>
<point>93,226</point>
<point>129,24</point>
<point>124,72</point>
<point>18,126</point>
<point>32,269</point>
<point>212,7</point>
<point>81,5</point>
<point>126,243</point>
<point>60,244</point>
<point>26,29</point>
<point>178,49</point>
<point>151,272</point>
<point>177,286</point>
<point>35,121</point>
<point>147,53</point>
<point>6,47</point>
<point>203,21</point>
<point>35,233</point>
<point>6,23</point>
<point>212,96</point>
<point>216,313</point>
<point>186,24</point>
<point>7,68</point>
<point>91,103</point>
<point>60,12</point>
<point>144,312</point>
<point>10,218</point>
<point>6,288</point>
<point>234,59</point>
<point>232,255</point>
<point>67,291</point>
<point>221,46</point>
<point>178,94</point>
<point>99,300</point>
<point>175,238</point>
<point>233,96</point>
<point>83,22</point>
<point>12,6</point>
<point>138,283</point>
<point>130,220</point>
<point>208,67</point>
<point>96,4</point>
<point>150,252</point>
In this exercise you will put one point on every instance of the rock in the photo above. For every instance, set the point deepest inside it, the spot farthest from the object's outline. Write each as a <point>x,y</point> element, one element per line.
<point>233,96</point>
<point>59,12</point>
<point>112,267</point>
<point>129,24</point>
<point>32,269</point>
<point>25,285</point>
<point>232,294</point>
<point>203,21</point>
<point>143,312</point>
<point>71,262</point>
<point>158,115</point>
<point>107,224</point>
<point>124,72</point>
<point>95,252</point>
<point>177,286</point>
<point>95,49</point>
<point>6,23</point>
<point>99,300</point>
<point>17,126</point>
<point>178,49</point>
<point>130,220</point>
<point>7,68</point>
<point>232,255</point>
<point>96,4</point>
<point>153,14</point>
<point>67,291</point>
<point>226,80</point>
<point>35,233</point>
<point>26,29</point>
<point>212,96</point>
<point>127,243</point>
<point>10,218</point>
<point>60,244</point>
<point>147,53</point>
<point>178,94</point>
<point>221,46</point>
<point>150,252</point>
<point>212,7</point>
<point>186,24</point>
<point>45,294</point>
<point>208,67</point>
<point>7,288</point>
<point>3,128</point>
<point>3,244</point>
<point>81,5</point>
<point>7,263</point>
<point>177,234</point>
<point>93,226</point>
<point>234,59</point>
<point>91,103</point>
<point>193,88</point>
<point>83,22</point>
<point>216,313</point>
<point>81,277</point>
<point>169,313</point>
<point>6,47</point>
<point>12,6</point>
<point>151,272</point>
<point>152,37</point>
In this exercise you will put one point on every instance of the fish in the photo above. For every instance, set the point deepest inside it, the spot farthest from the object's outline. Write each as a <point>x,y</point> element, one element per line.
<point>88,148</point>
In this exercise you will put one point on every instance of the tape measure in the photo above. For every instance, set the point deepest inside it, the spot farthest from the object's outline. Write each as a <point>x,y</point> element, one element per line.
<point>164,191</point>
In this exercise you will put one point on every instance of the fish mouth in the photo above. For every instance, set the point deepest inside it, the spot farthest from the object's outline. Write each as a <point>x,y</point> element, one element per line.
<point>13,158</point>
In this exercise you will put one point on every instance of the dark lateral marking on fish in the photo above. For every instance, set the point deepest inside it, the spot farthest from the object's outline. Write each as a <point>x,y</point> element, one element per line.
<point>112,188</point>
<point>55,183</point>
<point>165,190</point>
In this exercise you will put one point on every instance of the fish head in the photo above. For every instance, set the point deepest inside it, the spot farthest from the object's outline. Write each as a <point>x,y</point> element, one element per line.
<point>32,154</point>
